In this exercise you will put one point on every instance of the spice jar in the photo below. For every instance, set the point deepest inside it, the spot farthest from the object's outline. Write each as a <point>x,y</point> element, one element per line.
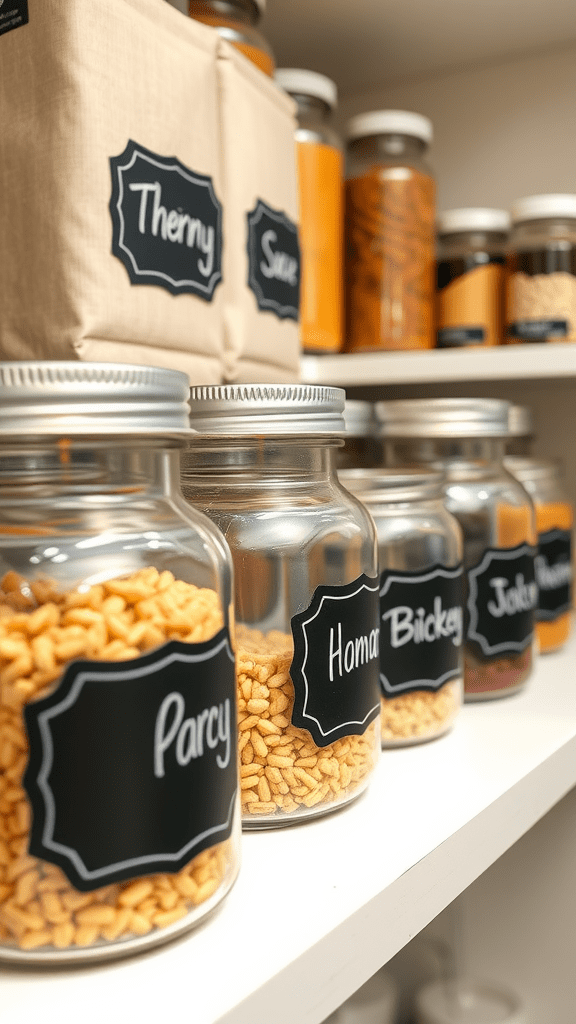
<point>542,479</point>
<point>119,825</point>
<point>361,448</point>
<point>421,614</point>
<point>321,229</point>
<point>236,21</point>
<point>470,277</point>
<point>520,430</point>
<point>305,562</point>
<point>465,438</point>
<point>542,269</point>
<point>390,211</point>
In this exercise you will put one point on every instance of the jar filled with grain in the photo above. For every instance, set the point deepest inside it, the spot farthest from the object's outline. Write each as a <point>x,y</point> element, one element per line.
<point>306,587</point>
<point>542,478</point>
<point>237,22</point>
<point>321,230</point>
<point>421,613</point>
<point>542,270</point>
<point>361,447</point>
<point>470,277</point>
<point>465,438</point>
<point>389,226</point>
<point>119,817</point>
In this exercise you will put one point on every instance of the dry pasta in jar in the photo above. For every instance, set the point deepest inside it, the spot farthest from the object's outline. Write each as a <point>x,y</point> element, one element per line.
<point>118,764</point>
<point>306,595</point>
<point>421,613</point>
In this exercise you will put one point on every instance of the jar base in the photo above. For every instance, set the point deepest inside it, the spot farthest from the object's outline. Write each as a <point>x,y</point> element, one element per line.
<point>288,820</point>
<point>472,698</point>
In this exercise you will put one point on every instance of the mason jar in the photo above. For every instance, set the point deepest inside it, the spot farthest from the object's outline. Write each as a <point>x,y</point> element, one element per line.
<point>542,478</point>
<point>465,438</point>
<point>361,448</point>
<point>306,589</point>
<point>119,819</point>
<point>421,614</point>
<point>236,21</point>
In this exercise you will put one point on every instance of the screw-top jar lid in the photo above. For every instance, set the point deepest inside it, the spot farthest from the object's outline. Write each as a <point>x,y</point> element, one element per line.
<point>527,469</point>
<point>520,421</point>
<point>307,83</point>
<point>539,207</point>
<point>443,417</point>
<point>390,122</point>
<point>359,418</point>
<point>71,399</point>
<point>473,218</point>
<point>379,486</point>
<point>246,410</point>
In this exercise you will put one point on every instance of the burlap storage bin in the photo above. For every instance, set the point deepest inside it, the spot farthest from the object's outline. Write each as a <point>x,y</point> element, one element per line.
<point>76,83</point>
<point>259,163</point>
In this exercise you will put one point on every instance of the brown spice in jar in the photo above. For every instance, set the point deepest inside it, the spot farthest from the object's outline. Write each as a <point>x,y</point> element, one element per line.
<point>41,631</point>
<point>390,265</point>
<point>419,715</point>
<point>282,771</point>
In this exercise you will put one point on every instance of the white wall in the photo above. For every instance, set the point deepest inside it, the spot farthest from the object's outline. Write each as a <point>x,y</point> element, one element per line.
<point>501,132</point>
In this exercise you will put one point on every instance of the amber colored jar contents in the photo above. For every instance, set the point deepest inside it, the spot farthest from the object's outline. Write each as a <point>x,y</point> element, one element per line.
<point>235,21</point>
<point>320,174</point>
<point>390,212</point>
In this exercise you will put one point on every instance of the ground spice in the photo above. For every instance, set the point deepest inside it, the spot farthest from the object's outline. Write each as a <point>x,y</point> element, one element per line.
<point>544,304</point>
<point>321,241</point>
<point>390,268</point>
<point>41,631</point>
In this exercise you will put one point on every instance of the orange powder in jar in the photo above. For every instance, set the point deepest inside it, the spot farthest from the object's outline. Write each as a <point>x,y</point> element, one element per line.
<point>237,28</point>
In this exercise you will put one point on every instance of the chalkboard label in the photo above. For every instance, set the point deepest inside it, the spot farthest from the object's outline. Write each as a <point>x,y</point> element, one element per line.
<point>133,766</point>
<point>13,14</point>
<point>502,600</point>
<point>167,223</point>
<point>554,574</point>
<point>335,664</point>
<point>421,629</point>
<point>538,330</point>
<point>458,337</point>
<point>274,261</point>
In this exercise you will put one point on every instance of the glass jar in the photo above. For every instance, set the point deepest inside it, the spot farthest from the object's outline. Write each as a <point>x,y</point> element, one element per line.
<point>119,824</point>
<point>305,562</point>
<point>361,448</point>
<point>465,437</point>
<point>520,430</point>
<point>542,479</point>
<point>470,277</point>
<point>321,228</point>
<point>390,213</point>
<point>421,614</point>
<point>236,21</point>
<point>541,304</point>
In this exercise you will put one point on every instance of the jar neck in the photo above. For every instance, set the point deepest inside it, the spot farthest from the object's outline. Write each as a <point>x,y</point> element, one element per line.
<point>125,468</point>
<point>311,108</point>
<point>453,454</point>
<point>244,11</point>
<point>388,147</point>
<point>246,462</point>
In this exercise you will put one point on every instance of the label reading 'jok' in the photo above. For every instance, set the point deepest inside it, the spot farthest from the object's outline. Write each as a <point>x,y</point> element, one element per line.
<point>133,766</point>
<point>554,574</point>
<point>502,601</point>
<point>166,223</point>
<point>274,261</point>
<point>421,629</point>
<point>335,663</point>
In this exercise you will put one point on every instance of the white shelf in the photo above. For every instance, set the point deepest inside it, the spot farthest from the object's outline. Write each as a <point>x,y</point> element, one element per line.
<point>318,908</point>
<point>510,362</point>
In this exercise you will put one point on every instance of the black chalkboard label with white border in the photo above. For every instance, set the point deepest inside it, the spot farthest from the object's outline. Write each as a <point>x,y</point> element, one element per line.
<point>538,330</point>
<point>13,14</point>
<point>502,601</point>
<point>554,574</point>
<point>133,766</point>
<point>421,629</point>
<point>274,261</point>
<point>457,337</point>
<point>166,223</point>
<point>335,663</point>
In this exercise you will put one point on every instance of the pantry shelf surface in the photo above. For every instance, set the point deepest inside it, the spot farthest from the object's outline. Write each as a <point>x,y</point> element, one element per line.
<point>509,362</point>
<point>319,907</point>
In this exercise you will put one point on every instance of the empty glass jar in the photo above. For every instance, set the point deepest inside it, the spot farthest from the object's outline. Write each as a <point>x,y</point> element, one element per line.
<point>421,614</point>
<point>465,438</point>
<point>361,447</point>
<point>305,566</point>
<point>119,823</point>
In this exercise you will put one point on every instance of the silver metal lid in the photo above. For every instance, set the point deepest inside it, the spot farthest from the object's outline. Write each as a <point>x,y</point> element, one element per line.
<point>91,399</point>
<point>527,470</point>
<point>379,486</point>
<point>246,410</point>
<point>359,418</point>
<point>520,421</point>
<point>443,418</point>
